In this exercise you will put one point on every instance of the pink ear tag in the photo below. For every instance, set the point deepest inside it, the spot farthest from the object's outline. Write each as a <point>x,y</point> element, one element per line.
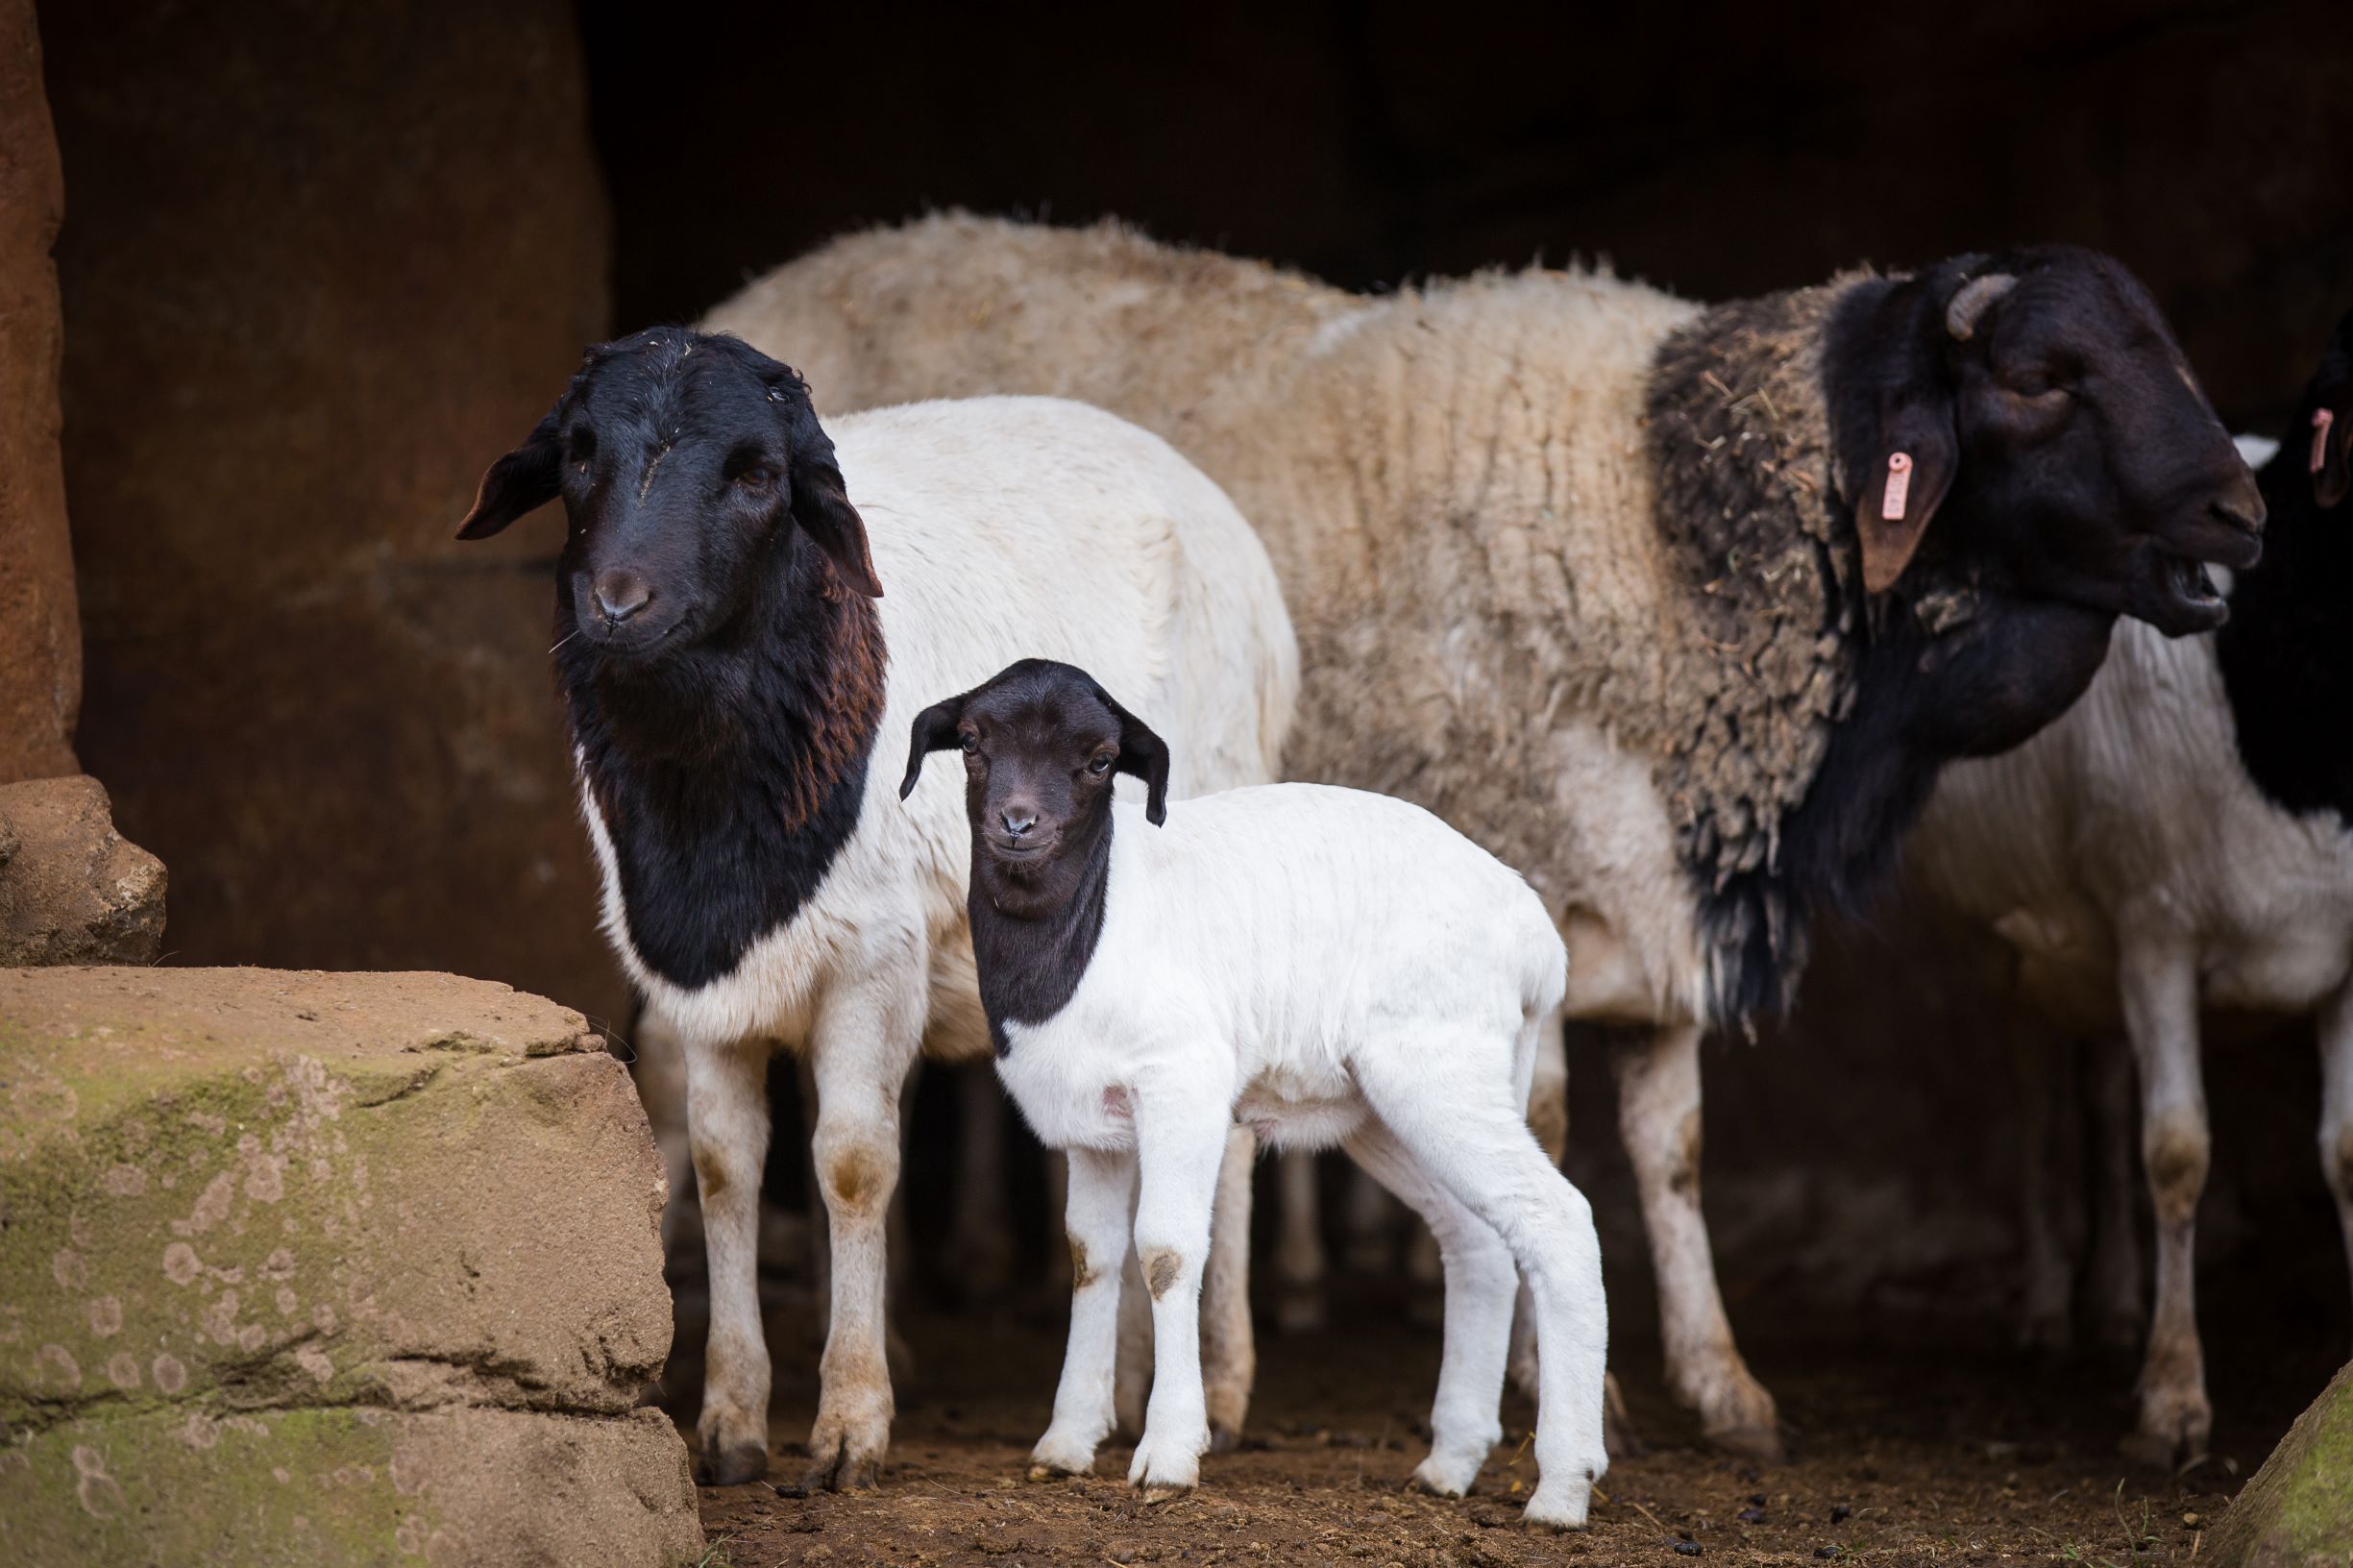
<point>2321,420</point>
<point>1899,487</point>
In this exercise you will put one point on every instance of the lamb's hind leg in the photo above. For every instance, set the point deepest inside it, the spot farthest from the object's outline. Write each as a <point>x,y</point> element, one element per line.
<point>1659,1116</point>
<point>1481,1281</point>
<point>726,1095</point>
<point>1451,1105</point>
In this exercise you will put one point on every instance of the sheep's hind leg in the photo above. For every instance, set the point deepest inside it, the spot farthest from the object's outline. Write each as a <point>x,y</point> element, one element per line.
<point>864,1045</point>
<point>1465,1419</point>
<point>1468,1136</point>
<point>2160,996</point>
<point>1658,1118</point>
<point>1096,1218</point>
<point>726,1095</point>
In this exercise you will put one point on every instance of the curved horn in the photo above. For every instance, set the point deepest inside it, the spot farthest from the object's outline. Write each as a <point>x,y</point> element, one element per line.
<point>1961,315</point>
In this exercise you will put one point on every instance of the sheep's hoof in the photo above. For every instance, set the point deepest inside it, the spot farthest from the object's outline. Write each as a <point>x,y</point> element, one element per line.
<point>733,1466</point>
<point>1761,1444</point>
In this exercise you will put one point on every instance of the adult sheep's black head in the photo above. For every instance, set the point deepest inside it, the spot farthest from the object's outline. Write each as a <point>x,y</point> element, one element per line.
<point>1041,741</point>
<point>684,461</point>
<point>2035,409</point>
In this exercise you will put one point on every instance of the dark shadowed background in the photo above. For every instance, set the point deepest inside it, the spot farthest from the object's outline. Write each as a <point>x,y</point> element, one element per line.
<point>323,262</point>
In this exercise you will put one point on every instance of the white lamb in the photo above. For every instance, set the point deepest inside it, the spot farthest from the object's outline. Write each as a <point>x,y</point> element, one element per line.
<point>1323,965</point>
<point>731,673</point>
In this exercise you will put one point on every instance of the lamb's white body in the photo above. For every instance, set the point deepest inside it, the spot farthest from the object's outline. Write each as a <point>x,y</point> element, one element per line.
<point>1329,967</point>
<point>2137,876</point>
<point>1000,527</point>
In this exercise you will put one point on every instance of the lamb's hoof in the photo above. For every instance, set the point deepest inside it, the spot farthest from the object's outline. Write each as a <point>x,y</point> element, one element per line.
<point>1436,1478</point>
<point>1155,1495</point>
<point>733,1466</point>
<point>1055,1457</point>
<point>1165,1469</point>
<point>1559,1505</point>
<point>1224,1439</point>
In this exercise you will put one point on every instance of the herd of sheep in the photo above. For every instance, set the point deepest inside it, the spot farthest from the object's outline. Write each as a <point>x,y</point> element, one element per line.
<point>1705,620</point>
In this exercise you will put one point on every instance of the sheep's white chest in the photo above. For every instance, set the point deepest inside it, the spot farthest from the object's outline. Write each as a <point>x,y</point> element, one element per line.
<point>1074,1091</point>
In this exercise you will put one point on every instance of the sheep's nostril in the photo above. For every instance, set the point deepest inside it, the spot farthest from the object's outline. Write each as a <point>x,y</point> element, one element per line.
<point>1018,822</point>
<point>620,595</point>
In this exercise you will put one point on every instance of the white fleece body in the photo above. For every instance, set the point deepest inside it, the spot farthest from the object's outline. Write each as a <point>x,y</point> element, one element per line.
<point>2137,878</point>
<point>1000,528</point>
<point>1329,967</point>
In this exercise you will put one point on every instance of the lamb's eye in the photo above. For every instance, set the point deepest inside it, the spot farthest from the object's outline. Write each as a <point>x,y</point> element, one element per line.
<point>1102,764</point>
<point>757,479</point>
<point>970,745</point>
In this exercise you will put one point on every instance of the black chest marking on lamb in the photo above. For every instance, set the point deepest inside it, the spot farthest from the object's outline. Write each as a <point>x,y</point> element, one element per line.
<point>1030,967</point>
<point>2286,652</point>
<point>730,780</point>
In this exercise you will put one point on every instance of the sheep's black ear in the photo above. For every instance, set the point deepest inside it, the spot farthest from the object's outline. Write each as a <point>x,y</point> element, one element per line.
<point>1912,450</point>
<point>934,730</point>
<point>820,500</point>
<point>1143,755</point>
<point>523,481</point>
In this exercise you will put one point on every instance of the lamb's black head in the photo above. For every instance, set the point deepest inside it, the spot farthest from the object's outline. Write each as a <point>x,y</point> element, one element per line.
<point>1040,743</point>
<point>684,460</point>
<point>2036,400</point>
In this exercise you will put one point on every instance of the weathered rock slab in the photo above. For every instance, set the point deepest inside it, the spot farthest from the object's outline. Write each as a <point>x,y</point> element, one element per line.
<point>318,1267</point>
<point>2299,1509</point>
<point>72,890</point>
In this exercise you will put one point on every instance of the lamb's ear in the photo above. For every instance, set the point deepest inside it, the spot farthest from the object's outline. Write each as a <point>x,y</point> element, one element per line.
<point>934,730</point>
<point>1143,755</point>
<point>523,481</point>
<point>820,500</point>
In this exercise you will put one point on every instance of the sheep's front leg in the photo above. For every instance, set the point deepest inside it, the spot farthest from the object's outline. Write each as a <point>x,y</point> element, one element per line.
<point>2337,1106</point>
<point>726,1101</point>
<point>2160,996</point>
<point>1096,1218</point>
<point>865,1042</point>
<point>1180,1142</point>
<point>1659,1116</point>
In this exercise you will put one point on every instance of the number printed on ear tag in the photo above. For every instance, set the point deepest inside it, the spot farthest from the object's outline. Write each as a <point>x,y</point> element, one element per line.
<point>1899,487</point>
<point>2321,420</point>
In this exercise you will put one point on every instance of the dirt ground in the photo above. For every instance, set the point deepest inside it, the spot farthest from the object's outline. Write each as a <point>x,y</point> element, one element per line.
<point>1901,1453</point>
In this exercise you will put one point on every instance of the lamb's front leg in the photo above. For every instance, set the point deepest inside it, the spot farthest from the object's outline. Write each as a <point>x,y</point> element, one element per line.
<point>866,1040</point>
<point>1096,1218</point>
<point>1181,1140</point>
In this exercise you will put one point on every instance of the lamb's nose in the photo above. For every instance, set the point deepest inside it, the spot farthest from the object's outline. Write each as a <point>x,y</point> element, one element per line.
<point>1018,821</point>
<point>620,595</point>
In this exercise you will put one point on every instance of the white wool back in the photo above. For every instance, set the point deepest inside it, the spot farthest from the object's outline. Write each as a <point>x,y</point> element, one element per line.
<point>2131,821</point>
<point>1004,528</point>
<point>1262,936</point>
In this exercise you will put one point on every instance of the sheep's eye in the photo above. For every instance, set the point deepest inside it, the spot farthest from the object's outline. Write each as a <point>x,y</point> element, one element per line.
<point>1102,764</point>
<point>757,479</point>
